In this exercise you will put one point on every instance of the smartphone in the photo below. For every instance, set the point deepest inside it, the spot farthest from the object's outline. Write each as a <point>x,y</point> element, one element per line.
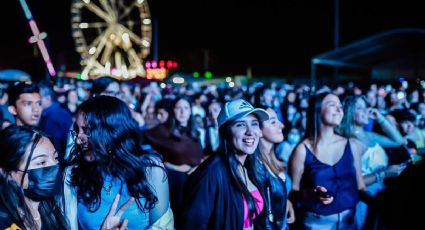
<point>323,194</point>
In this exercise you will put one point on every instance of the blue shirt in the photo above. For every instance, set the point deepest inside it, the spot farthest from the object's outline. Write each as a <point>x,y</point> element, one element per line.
<point>339,179</point>
<point>93,220</point>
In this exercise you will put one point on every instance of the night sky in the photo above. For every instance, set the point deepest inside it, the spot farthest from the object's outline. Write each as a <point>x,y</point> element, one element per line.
<point>273,37</point>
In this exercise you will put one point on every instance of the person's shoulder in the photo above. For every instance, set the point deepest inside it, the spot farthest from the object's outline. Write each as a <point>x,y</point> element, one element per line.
<point>213,162</point>
<point>212,167</point>
<point>357,146</point>
<point>301,146</point>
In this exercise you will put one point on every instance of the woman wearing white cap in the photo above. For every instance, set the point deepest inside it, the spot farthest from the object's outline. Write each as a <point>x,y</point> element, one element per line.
<point>222,192</point>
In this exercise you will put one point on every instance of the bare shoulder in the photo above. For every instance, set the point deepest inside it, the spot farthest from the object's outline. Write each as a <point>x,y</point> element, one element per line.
<point>357,146</point>
<point>300,151</point>
<point>340,139</point>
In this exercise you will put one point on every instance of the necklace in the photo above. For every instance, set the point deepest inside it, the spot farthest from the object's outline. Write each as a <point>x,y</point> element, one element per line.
<point>107,186</point>
<point>243,171</point>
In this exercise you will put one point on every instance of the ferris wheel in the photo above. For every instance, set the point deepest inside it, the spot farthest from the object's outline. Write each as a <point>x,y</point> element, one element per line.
<point>113,37</point>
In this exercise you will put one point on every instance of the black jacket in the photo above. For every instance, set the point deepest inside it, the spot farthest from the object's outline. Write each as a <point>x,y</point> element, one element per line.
<point>275,196</point>
<point>211,200</point>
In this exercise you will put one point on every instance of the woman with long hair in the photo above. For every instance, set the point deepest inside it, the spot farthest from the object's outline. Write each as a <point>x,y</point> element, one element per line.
<point>272,175</point>
<point>108,162</point>
<point>177,140</point>
<point>223,192</point>
<point>374,161</point>
<point>325,169</point>
<point>29,178</point>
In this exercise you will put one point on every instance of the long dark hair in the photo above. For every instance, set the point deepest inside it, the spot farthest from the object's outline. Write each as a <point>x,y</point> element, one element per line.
<point>173,125</point>
<point>116,142</point>
<point>346,128</point>
<point>228,152</point>
<point>14,141</point>
<point>314,117</point>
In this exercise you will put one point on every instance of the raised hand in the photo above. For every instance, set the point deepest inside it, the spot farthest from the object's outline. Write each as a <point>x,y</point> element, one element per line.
<point>113,219</point>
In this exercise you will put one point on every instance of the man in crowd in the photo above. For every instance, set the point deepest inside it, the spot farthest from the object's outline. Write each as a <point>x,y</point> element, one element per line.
<point>25,103</point>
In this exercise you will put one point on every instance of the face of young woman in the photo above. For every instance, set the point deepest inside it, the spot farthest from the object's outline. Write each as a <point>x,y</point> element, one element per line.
<point>272,128</point>
<point>332,112</point>
<point>182,112</point>
<point>162,115</point>
<point>361,114</point>
<point>82,132</point>
<point>44,155</point>
<point>246,134</point>
<point>213,110</point>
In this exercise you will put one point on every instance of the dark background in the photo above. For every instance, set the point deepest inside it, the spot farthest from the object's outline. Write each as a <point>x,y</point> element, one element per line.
<point>272,37</point>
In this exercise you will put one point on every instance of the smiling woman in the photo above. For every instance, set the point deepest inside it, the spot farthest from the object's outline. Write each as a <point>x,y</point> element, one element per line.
<point>325,168</point>
<point>225,181</point>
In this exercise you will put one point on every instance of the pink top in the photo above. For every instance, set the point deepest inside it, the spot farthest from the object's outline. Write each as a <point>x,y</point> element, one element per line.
<point>259,203</point>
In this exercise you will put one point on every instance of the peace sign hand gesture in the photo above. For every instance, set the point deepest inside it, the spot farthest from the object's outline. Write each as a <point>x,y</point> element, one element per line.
<point>113,219</point>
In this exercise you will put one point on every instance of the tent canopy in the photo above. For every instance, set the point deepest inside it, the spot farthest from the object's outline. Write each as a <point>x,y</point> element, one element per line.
<point>14,75</point>
<point>403,47</point>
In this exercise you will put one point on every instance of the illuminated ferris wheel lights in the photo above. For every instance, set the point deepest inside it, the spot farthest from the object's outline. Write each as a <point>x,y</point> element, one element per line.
<point>117,47</point>
<point>124,71</point>
<point>147,21</point>
<point>126,40</point>
<point>84,25</point>
<point>145,43</point>
<point>84,76</point>
<point>92,50</point>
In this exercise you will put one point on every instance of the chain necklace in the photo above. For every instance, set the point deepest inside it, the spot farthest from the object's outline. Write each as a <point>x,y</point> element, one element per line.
<point>243,171</point>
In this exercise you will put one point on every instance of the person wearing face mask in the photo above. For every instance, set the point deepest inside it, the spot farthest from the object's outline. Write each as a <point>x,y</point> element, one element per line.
<point>223,192</point>
<point>29,178</point>
<point>286,147</point>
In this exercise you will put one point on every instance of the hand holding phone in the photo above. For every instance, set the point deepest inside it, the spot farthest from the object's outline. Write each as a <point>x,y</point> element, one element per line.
<point>322,192</point>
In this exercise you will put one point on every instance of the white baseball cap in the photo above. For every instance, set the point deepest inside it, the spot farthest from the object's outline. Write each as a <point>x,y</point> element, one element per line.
<point>237,109</point>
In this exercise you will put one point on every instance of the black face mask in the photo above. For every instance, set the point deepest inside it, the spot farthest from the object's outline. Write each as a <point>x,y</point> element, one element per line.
<point>42,183</point>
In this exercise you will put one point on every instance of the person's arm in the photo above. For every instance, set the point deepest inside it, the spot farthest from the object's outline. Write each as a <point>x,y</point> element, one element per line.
<point>290,212</point>
<point>393,137</point>
<point>157,178</point>
<point>296,164</point>
<point>358,149</point>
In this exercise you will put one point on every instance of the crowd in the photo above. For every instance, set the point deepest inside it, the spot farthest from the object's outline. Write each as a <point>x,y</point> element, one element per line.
<point>107,154</point>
